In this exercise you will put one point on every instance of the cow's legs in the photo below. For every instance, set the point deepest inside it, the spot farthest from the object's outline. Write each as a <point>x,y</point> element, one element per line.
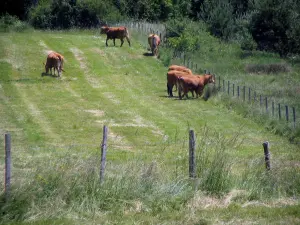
<point>170,87</point>
<point>128,40</point>
<point>122,41</point>
<point>114,42</point>
<point>106,42</point>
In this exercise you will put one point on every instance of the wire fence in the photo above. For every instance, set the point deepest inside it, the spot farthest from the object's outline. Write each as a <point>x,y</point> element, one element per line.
<point>268,104</point>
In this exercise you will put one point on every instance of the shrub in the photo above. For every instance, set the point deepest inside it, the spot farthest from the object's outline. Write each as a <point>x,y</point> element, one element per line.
<point>268,68</point>
<point>12,23</point>
<point>64,14</point>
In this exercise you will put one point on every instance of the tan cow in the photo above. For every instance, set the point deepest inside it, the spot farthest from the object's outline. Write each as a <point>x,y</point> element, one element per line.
<point>56,61</point>
<point>154,42</point>
<point>172,79</point>
<point>193,83</point>
<point>180,68</point>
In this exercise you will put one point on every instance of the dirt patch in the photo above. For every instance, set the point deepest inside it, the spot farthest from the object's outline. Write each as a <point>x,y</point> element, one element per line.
<point>46,50</point>
<point>79,55</point>
<point>111,97</point>
<point>99,51</point>
<point>202,201</point>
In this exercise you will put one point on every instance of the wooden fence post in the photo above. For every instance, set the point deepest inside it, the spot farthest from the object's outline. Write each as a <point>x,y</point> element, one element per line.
<point>273,108</point>
<point>103,153</point>
<point>233,89</point>
<point>7,165</point>
<point>238,91</point>
<point>260,100</point>
<point>192,158</point>
<point>267,155</point>
<point>249,94</point>
<point>244,93</point>
<point>294,117</point>
<point>287,113</point>
<point>266,105</point>
<point>279,111</point>
<point>228,88</point>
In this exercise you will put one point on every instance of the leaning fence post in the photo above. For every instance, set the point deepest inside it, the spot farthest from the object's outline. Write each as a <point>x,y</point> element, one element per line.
<point>279,111</point>
<point>267,155</point>
<point>228,88</point>
<point>7,165</point>
<point>249,94</point>
<point>192,158</point>
<point>287,113</point>
<point>294,117</point>
<point>103,153</point>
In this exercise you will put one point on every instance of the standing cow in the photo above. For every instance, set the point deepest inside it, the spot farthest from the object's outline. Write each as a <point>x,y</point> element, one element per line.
<point>154,42</point>
<point>55,61</point>
<point>115,33</point>
<point>172,79</point>
<point>193,83</point>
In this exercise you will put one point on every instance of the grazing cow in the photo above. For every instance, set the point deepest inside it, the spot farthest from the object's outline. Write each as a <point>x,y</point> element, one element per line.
<point>54,60</point>
<point>180,68</point>
<point>172,77</point>
<point>154,42</point>
<point>115,33</point>
<point>193,83</point>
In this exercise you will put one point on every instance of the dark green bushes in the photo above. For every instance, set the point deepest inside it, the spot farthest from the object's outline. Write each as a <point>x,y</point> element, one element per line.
<point>64,14</point>
<point>12,23</point>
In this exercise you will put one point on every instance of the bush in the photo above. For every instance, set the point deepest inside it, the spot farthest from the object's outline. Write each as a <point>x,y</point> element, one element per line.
<point>268,68</point>
<point>12,23</point>
<point>64,14</point>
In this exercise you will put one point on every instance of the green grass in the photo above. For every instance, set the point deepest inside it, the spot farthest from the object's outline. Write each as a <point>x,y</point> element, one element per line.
<point>56,128</point>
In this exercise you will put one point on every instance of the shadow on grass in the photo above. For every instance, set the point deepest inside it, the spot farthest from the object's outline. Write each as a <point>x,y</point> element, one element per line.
<point>148,54</point>
<point>49,75</point>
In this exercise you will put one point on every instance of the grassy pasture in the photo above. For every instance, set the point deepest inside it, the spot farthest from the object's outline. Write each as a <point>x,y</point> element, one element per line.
<point>56,127</point>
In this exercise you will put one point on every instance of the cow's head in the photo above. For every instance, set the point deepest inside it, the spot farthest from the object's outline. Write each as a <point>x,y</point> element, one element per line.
<point>104,29</point>
<point>211,78</point>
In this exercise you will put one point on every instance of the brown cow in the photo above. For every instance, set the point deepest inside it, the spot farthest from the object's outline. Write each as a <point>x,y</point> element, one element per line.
<point>54,60</point>
<point>115,33</point>
<point>180,68</point>
<point>154,42</point>
<point>172,77</point>
<point>193,83</point>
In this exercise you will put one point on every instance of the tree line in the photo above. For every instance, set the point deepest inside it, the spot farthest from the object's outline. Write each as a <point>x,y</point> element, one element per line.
<point>267,25</point>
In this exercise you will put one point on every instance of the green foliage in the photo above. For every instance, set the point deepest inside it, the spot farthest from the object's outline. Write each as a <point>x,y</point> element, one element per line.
<point>165,55</point>
<point>268,68</point>
<point>149,10</point>
<point>12,23</point>
<point>273,26</point>
<point>213,162</point>
<point>183,35</point>
<point>65,14</point>
<point>218,14</point>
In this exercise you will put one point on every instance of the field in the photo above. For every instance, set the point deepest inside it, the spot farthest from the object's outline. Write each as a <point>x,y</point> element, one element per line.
<point>56,128</point>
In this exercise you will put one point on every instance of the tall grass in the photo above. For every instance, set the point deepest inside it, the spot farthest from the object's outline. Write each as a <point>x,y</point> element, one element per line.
<point>69,184</point>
